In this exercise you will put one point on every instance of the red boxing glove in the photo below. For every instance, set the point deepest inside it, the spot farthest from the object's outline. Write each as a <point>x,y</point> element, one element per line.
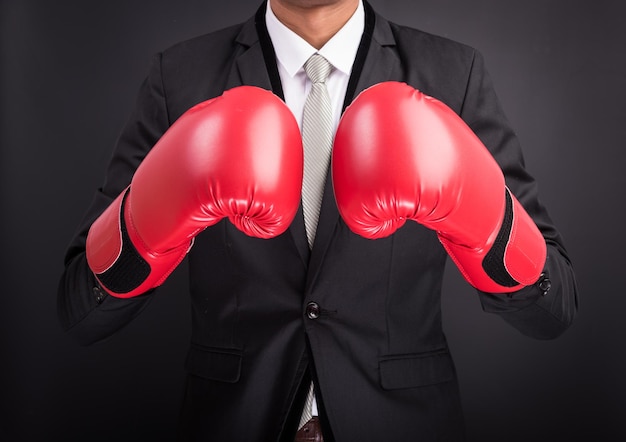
<point>400,154</point>
<point>237,156</point>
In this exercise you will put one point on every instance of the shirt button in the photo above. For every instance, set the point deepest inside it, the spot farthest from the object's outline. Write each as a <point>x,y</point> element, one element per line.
<point>312,310</point>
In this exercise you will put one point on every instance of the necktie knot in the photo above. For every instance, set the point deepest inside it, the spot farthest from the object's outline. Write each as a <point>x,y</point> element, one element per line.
<point>317,68</point>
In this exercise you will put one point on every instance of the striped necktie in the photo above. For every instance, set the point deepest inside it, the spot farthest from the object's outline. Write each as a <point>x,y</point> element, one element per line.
<point>317,139</point>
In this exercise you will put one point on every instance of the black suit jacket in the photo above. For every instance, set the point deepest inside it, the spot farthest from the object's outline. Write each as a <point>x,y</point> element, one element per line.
<point>362,317</point>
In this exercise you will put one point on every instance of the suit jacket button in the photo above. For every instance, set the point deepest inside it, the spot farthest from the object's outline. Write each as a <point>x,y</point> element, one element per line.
<point>98,294</point>
<point>544,284</point>
<point>312,310</point>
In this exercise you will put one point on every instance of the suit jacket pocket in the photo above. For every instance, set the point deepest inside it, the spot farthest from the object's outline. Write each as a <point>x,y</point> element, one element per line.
<point>215,364</point>
<point>416,370</point>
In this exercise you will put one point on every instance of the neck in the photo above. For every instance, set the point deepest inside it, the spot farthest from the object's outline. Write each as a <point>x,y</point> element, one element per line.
<point>316,21</point>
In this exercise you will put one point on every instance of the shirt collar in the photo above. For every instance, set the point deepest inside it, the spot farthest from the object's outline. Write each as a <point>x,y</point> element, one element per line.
<point>292,51</point>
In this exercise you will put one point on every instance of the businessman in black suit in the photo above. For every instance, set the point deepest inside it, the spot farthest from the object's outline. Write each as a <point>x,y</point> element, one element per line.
<point>360,320</point>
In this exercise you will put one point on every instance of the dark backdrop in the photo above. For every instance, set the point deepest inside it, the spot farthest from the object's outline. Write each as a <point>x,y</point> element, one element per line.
<point>69,73</point>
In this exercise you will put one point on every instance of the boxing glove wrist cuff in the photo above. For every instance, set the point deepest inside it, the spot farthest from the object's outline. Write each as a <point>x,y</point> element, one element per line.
<point>120,260</point>
<point>130,269</point>
<point>493,262</point>
<point>517,255</point>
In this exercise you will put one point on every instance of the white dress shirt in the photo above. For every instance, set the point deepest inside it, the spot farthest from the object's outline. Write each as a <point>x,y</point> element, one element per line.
<point>292,51</point>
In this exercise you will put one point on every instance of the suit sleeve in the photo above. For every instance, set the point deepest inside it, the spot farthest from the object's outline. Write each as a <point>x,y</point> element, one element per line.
<point>534,311</point>
<point>85,311</point>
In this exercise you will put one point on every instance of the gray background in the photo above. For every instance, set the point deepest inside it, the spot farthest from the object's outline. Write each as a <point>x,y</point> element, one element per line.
<point>69,74</point>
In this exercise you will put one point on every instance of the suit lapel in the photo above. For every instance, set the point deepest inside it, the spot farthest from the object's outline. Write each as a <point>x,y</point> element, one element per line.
<point>249,60</point>
<point>376,61</point>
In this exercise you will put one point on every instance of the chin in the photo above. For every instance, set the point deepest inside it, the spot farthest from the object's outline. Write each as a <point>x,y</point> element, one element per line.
<point>312,3</point>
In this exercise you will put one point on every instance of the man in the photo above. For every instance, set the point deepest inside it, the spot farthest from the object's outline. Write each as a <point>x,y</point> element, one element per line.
<point>357,319</point>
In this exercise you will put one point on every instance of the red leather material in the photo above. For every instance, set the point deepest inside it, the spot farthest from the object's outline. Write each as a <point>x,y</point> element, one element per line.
<point>238,156</point>
<point>400,154</point>
<point>104,242</point>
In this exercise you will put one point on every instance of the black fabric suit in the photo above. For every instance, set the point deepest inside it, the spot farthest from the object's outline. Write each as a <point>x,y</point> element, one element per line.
<point>380,356</point>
